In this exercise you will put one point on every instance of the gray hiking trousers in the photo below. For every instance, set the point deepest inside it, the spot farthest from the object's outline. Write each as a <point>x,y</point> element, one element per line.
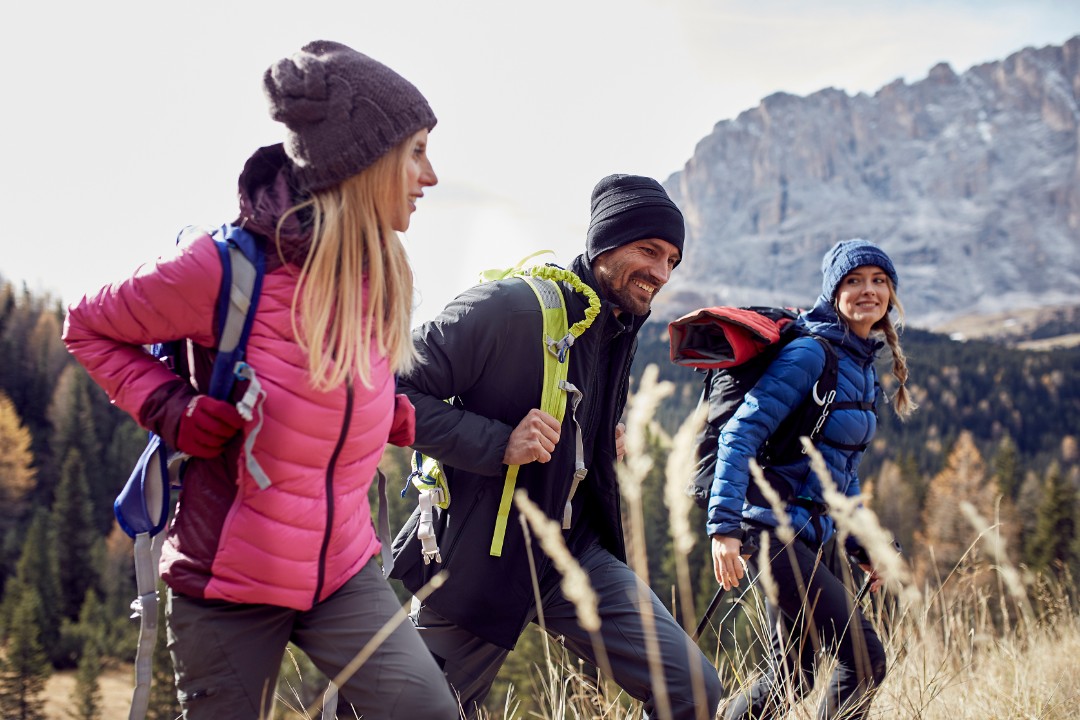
<point>471,663</point>
<point>227,655</point>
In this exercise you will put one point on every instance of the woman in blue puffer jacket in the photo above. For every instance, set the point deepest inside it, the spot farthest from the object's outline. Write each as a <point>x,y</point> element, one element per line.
<point>853,314</point>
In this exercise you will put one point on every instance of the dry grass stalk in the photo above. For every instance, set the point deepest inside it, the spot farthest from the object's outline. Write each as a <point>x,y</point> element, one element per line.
<point>641,410</point>
<point>784,531</point>
<point>853,517</point>
<point>575,583</point>
<point>680,466</point>
<point>535,583</point>
<point>765,576</point>
<point>640,413</point>
<point>993,542</point>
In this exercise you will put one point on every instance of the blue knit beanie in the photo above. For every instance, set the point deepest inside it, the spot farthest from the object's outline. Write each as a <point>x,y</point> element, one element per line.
<point>847,255</point>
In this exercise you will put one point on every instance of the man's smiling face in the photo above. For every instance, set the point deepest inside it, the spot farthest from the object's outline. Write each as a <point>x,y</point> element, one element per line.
<point>632,274</point>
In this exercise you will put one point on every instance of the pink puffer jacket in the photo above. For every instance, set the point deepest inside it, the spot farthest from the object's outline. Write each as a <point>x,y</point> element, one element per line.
<point>296,542</point>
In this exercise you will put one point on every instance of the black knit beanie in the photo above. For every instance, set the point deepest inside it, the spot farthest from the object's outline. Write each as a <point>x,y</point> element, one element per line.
<point>342,109</point>
<point>626,208</point>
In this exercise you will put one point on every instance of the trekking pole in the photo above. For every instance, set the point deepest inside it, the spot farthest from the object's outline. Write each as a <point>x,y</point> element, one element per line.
<point>863,590</point>
<point>709,611</point>
<point>715,603</point>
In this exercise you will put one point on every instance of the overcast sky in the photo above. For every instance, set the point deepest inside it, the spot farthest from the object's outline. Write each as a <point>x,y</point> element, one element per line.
<point>124,121</point>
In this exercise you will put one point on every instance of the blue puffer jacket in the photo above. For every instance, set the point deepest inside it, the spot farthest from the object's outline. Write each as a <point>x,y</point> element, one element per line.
<point>779,391</point>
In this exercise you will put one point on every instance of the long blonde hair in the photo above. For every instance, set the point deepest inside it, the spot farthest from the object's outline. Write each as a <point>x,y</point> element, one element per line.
<point>354,244</point>
<point>902,401</point>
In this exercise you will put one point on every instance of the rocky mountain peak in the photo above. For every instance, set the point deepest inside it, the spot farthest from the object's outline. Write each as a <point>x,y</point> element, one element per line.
<point>970,182</point>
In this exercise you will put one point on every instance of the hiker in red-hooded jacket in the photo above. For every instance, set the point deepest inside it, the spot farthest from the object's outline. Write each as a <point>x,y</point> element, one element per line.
<point>252,569</point>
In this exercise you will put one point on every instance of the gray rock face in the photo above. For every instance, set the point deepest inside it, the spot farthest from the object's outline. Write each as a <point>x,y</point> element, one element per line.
<point>970,182</point>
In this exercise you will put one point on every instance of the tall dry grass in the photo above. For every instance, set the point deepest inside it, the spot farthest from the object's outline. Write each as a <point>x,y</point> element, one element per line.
<point>956,649</point>
<point>976,641</point>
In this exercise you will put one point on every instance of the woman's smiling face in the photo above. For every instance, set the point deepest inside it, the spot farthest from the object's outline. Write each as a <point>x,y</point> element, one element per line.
<point>862,298</point>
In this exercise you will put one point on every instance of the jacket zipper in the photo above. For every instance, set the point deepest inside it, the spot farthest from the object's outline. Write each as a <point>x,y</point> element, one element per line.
<point>330,490</point>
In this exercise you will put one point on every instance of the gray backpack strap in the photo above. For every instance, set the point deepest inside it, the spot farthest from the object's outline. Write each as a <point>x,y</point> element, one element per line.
<point>243,287</point>
<point>145,607</point>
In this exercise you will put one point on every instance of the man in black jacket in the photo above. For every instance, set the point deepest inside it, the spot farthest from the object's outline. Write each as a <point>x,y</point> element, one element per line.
<point>483,352</point>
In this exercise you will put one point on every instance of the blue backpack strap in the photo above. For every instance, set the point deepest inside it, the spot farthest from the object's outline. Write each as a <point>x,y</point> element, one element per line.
<point>243,265</point>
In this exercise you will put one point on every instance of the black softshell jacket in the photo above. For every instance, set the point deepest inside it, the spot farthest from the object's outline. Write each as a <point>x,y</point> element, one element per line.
<point>484,352</point>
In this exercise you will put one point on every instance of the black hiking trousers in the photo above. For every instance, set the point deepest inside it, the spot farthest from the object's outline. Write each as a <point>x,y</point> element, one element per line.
<point>815,612</point>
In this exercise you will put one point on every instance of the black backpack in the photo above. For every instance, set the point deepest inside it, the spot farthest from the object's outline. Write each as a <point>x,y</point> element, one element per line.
<point>733,346</point>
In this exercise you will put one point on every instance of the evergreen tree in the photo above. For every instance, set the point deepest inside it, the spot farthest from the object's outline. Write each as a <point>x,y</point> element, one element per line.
<point>1055,524</point>
<point>72,415</point>
<point>24,667</point>
<point>1007,468</point>
<point>913,477</point>
<point>36,570</point>
<point>72,524</point>
<point>40,356</point>
<point>118,586</point>
<point>86,697</point>
<point>1074,548</point>
<point>7,308</point>
<point>1028,500</point>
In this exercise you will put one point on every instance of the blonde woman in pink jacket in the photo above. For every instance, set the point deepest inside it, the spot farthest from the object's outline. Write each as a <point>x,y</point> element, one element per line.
<point>250,569</point>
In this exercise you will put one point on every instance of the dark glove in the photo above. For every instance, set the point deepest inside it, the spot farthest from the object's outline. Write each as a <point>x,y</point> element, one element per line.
<point>403,427</point>
<point>206,427</point>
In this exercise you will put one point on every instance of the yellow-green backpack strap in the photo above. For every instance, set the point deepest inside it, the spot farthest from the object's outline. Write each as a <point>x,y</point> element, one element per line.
<point>552,396</point>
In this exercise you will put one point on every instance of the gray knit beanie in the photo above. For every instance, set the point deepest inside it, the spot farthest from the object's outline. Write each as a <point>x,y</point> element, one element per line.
<point>847,255</point>
<point>342,109</point>
<point>626,208</point>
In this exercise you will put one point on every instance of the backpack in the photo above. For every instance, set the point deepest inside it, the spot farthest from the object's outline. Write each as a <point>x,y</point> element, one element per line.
<point>733,346</point>
<point>427,473</point>
<point>142,506</point>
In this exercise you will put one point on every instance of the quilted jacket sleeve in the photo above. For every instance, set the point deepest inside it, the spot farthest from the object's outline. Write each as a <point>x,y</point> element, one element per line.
<point>473,343</point>
<point>779,390</point>
<point>169,299</point>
